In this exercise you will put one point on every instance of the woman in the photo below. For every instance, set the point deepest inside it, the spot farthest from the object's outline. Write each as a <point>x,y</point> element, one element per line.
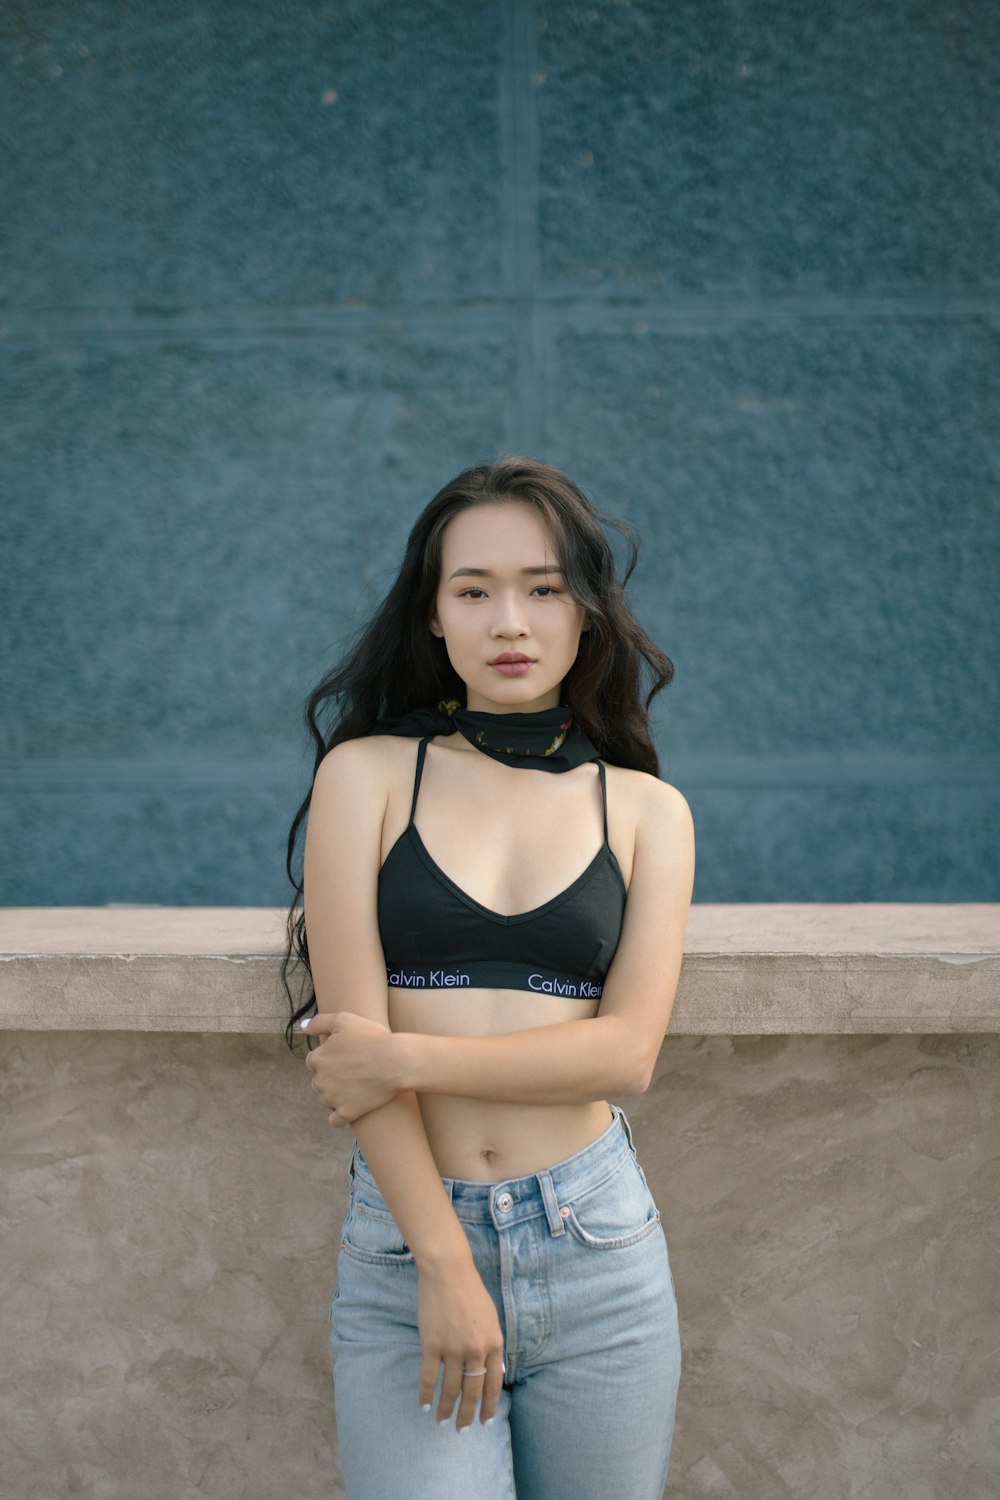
<point>494,949</point>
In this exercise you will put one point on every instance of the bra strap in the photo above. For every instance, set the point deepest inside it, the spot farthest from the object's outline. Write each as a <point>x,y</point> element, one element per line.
<point>604,796</point>
<point>421,752</point>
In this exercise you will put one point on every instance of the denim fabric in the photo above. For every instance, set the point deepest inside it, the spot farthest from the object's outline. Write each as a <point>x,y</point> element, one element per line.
<point>576,1262</point>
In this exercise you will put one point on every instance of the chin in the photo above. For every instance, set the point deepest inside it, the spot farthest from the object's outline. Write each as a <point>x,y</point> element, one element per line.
<point>516,696</point>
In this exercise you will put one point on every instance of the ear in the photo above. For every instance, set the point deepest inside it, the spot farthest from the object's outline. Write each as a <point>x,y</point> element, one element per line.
<point>434,626</point>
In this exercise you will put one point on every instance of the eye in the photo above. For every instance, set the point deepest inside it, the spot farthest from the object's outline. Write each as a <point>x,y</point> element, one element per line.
<point>545,590</point>
<point>472,592</point>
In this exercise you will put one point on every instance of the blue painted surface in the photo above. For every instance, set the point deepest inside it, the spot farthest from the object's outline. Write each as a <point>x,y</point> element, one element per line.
<point>265,284</point>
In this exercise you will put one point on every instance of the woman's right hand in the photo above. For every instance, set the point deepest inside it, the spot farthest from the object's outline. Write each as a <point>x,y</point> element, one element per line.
<point>459,1327</point>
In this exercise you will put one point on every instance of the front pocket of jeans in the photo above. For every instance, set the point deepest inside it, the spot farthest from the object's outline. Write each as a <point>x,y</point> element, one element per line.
<point>617,1213</point>
<point>372,1236</point>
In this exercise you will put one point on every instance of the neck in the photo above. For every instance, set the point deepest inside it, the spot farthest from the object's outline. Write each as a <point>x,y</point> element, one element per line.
<point>477,704</point>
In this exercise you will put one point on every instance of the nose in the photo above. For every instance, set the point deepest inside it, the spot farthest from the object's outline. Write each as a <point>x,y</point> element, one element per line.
<point>508,618</point>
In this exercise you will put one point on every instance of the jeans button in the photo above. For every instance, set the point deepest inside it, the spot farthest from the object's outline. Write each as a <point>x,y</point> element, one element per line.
<point>504,1202</point>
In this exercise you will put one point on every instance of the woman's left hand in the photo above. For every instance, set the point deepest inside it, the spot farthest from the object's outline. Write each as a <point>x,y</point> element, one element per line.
<point>353,1067</point>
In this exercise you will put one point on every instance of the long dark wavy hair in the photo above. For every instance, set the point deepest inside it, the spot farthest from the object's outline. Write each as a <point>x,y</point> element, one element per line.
<point>396,665</point>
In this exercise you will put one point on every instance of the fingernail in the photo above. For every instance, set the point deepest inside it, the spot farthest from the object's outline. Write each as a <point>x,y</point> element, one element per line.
<point>464,1430</point>
<point>426,1408</point>
<point>305,1022</point>
<point>443,1421</point>
<point>489,1421</point>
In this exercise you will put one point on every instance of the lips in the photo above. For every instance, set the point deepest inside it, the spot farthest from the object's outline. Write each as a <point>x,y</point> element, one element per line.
<point>512,663</point>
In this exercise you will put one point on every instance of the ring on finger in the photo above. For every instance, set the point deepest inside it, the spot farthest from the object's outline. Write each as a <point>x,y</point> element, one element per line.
<point>468,1374</point>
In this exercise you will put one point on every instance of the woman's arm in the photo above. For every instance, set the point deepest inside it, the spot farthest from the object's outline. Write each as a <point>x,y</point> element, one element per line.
<point>612,1053</point>
<point>458,1321</point>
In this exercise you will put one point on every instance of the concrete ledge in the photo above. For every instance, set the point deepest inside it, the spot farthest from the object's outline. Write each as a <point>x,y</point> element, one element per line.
<point>748,969</point>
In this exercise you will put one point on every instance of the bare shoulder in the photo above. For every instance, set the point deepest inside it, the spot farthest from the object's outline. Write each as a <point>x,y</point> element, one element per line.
<point>662,876</point>
<point>654,804</point>
<point>365,767</point>
<point>350,797</point>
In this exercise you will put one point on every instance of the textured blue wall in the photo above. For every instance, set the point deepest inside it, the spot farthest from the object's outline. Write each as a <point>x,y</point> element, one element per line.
<point>269,276</point>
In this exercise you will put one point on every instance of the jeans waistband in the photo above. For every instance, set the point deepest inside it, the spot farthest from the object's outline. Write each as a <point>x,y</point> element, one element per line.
<point>516,1199</point>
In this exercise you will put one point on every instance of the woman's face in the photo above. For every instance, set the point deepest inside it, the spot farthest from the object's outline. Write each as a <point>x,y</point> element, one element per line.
<point>510,627</point>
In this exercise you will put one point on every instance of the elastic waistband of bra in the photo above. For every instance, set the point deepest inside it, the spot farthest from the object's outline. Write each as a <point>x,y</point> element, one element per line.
<point>486,975</point>
<point>515,1199</point>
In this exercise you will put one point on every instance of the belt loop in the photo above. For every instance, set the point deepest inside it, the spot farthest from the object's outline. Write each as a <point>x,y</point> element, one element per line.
<point>623,1119</point>
<point>354,1153</point>
<point>551,1202</point>
<point>628,1136</point>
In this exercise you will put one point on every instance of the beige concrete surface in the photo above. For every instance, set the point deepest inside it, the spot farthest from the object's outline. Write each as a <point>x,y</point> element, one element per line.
<point>169,1223</point>
<point>748,969</point>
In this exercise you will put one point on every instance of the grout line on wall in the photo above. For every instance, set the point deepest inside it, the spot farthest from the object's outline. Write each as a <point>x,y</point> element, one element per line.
<point>534,316</point>
<point>519,135</point>
<point>778,770</point>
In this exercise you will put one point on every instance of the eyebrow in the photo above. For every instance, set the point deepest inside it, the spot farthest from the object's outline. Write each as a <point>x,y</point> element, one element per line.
<point>486,573</point>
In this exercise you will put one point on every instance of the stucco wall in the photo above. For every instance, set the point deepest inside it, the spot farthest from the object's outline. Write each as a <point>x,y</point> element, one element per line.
<point>169,1232</point>
<point>269,276</point>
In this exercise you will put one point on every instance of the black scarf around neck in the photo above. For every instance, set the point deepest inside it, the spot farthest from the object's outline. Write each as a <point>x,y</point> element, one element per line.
<point>544,741</point>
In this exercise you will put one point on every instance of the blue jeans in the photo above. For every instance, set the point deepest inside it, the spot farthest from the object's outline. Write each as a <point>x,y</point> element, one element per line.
<point>576,1262</point>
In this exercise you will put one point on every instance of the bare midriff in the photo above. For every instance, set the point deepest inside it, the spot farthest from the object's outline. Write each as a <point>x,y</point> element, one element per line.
<point>487,1141</point>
